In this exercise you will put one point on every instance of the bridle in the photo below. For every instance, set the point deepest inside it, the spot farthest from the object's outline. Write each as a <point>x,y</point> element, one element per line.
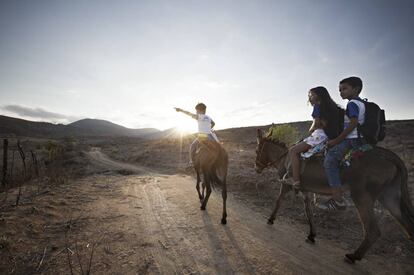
<point>270,163</point>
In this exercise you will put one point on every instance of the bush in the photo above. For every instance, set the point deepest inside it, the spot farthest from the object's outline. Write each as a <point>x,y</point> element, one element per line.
<point>284,133</point>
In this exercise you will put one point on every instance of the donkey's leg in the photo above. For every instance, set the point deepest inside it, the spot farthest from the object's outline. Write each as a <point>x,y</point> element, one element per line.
<point>364,202</point>
<point>224,196</point>
<point>205,200</point>
<point>284,188</point>
<point>309,215</point>
<point>200,196</point>
<point>203,189</point>
<point>315,198</point>
<point>207,182</point>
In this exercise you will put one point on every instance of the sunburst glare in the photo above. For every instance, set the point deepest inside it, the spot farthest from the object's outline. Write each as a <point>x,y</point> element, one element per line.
<point>186,125</point>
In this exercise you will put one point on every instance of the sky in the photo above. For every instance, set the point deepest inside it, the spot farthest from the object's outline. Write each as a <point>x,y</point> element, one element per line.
<point>250,62</point>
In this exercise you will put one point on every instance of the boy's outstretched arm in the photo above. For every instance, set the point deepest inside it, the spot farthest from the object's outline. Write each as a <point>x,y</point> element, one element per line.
<point>186,112</point>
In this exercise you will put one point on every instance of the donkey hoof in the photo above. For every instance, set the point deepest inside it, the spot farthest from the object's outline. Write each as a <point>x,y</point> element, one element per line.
<point>351,258</point>
<point>269,221</point>
<point>202,208</point>
<point>310,239</point>
<point>223,221</point>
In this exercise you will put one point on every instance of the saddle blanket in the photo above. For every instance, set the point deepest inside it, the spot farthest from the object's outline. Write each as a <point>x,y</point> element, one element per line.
<point>352,154</point>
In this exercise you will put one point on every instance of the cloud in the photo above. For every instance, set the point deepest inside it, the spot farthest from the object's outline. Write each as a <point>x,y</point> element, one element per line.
<point>38,113</point>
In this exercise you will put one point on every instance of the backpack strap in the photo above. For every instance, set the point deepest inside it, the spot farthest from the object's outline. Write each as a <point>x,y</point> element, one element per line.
<point>360,138</point>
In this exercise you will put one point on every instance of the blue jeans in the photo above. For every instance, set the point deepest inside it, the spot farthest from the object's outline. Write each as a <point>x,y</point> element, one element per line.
<point>334,157</point>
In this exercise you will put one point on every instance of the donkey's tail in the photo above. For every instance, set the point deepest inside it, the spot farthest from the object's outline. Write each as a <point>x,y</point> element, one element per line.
<point>406,207</point>
<point>219,171</point>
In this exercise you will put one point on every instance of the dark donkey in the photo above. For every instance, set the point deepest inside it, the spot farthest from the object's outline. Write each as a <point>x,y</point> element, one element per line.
<point>211,160</point>
<point>379,175</point>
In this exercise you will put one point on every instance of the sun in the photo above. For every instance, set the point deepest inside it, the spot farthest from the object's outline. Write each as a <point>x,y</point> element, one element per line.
<point>186,125</point>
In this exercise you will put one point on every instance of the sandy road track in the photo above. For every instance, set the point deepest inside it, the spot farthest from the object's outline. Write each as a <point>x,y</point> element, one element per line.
<point>149,223</point>
<point>187,240</point>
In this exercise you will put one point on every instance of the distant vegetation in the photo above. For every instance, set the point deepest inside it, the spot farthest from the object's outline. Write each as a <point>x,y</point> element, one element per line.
<point>284,133</point>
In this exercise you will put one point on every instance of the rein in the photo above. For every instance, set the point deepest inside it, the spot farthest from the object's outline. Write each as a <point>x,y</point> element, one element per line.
<point>270,163</point>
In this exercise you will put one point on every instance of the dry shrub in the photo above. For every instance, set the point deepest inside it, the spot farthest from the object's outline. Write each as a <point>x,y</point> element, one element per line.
<point>55,163</point>
<point>284,133</point>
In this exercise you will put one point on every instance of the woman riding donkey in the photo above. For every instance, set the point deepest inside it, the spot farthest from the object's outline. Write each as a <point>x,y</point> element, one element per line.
<point>208,157</point>
<point>326,125</point>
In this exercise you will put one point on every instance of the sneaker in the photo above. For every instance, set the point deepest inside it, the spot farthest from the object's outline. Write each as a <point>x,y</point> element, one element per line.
<point>332,205</point>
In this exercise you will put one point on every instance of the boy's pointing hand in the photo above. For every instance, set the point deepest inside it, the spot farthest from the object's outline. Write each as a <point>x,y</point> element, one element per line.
<point>178,109</point>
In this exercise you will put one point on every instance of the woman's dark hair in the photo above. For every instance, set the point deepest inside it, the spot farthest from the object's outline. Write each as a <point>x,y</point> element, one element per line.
<point>331,113</point>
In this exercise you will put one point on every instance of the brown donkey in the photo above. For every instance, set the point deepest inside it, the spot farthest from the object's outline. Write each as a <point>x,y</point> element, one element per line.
<point>379,175</point>
<point>211,160</point>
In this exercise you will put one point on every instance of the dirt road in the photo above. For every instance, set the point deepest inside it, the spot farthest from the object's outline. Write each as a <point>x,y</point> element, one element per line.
<point>149,223</point>
<point>180,238</point>
<point>186,240</point>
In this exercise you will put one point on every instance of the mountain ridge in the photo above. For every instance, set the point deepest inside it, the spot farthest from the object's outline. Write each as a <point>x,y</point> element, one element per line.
<point>84,127</point>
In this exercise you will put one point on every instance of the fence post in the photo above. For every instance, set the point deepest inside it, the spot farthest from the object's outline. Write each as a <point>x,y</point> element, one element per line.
<point>35,163</point>
<point>23,156</point>
<point>5,148</point>
<point>12,166</point>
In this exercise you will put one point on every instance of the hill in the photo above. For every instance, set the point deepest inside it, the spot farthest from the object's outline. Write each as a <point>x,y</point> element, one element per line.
<point>99,127</point>
<point>10,126</point>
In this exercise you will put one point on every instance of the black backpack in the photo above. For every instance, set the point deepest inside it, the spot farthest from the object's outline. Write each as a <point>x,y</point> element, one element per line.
<point>373,129</point>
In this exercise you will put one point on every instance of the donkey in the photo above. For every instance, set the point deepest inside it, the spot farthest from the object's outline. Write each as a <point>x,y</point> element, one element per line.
<point>379,175</point>
<point>211,161</point>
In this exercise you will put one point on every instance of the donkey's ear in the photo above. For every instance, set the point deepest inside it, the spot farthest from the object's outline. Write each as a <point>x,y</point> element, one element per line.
<point>270,133</point>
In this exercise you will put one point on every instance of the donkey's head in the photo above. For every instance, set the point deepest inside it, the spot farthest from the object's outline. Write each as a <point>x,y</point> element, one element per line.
<point>262,157</point>
<point>268,152</point>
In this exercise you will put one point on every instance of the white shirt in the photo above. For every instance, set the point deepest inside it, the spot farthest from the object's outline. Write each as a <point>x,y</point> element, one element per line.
<point>361,118</point>
<point>204,124</point>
